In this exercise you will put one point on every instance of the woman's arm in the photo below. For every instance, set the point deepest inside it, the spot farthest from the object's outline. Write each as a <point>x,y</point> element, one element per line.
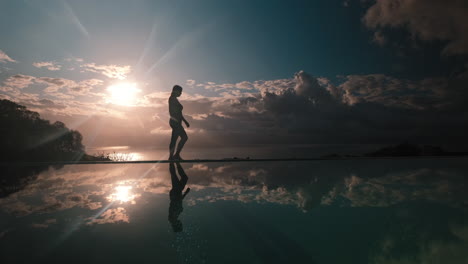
<point>185,121</point>
<point>186,191</point>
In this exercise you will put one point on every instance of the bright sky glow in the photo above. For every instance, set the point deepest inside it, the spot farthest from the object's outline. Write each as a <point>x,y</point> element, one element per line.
<point>122,194</point>
<point>123,93</point>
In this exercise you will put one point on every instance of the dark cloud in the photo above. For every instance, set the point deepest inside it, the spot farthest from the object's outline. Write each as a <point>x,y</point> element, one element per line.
<point>427,20</point>
<point>46,103</point>
<point>309,87</point>
<point>356,109</point>
<point>379,38</point>
<point>362,109</point>
<point>52,81</point>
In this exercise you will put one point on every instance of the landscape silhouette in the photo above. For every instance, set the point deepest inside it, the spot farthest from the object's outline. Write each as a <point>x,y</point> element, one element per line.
<point>25,136</point>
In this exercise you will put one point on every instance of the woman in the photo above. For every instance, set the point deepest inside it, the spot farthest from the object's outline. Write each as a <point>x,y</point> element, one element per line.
<point>175,111</point>
<point>176,196</point>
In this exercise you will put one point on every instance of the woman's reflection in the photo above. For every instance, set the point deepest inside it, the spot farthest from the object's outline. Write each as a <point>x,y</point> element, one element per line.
<point>176,196</point>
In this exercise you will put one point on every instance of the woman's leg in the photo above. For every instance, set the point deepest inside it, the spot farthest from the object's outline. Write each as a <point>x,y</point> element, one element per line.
<point>183,139</point>
<point>172,145</point>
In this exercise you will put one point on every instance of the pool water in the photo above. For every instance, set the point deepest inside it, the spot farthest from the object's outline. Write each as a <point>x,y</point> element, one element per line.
<point>337,211</point>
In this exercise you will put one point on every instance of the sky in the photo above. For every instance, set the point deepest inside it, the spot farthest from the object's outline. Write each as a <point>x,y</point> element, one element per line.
<point>253,72</point>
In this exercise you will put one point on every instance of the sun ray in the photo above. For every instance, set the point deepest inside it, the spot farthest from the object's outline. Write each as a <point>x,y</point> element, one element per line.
<point>75,19</point>
<point>182,43</point>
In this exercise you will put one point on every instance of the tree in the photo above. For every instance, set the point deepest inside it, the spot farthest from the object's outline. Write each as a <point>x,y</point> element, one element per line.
<point>24,136</point>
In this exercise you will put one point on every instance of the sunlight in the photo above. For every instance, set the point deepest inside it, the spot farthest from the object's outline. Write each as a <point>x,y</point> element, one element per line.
<point>123,93</point>
<point>123,156</point>
<point>136,156</point>
<point>122,194</point>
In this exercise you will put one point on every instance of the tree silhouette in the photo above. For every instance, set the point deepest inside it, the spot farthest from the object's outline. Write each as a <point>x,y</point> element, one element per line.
<point>24,136</point>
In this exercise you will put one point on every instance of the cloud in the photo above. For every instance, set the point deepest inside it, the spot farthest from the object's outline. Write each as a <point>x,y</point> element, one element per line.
<point>428,244</point>
<point>161,131</point>
<point>19,81</point>
<point>303,109</point>
<point>426,20</point>
<point>63,107</point>
<point>425,94</point>
<point>54,85</point>
<point>84,87</point>
<point>190,83</point>
<point>386,90</point>
<point>245,85</point>
<point>51,66</point>
<point>306,109</point>
<point>272,86</point>
<point>358,185</point>
<point>51,104</point>
<point>379,38</point>
<point>45,224</point>
<point>6,89</point>
<point>5,58</point>
<point>309,87</point>
<point>111,71</point>
<point>439,186</point>
<point>111,216</point>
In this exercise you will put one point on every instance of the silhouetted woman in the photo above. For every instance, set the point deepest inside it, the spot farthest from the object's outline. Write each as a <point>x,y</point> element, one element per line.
<point>175,111</point>
<point>176,196</point>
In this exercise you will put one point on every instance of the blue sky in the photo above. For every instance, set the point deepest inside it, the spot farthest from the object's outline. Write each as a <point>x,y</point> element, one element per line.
<point>238,61</point>
<point>219,41</point>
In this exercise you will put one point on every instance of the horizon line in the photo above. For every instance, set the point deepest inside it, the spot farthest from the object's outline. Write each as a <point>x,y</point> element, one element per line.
<point>44,163</point>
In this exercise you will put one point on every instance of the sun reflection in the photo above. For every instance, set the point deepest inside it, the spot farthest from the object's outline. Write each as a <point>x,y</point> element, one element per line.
<point>123,194</point>
<point>136,156</point>
<point>122,156</point>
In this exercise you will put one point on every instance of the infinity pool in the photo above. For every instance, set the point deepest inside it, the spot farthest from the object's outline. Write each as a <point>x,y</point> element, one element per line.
<point>339,211</point>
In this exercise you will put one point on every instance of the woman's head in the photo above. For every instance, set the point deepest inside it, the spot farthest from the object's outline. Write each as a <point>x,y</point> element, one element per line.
<point>177,90</point>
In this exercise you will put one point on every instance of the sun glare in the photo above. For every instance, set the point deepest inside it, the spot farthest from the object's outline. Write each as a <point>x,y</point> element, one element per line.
<point>122,194</point>
<point>123,93</point>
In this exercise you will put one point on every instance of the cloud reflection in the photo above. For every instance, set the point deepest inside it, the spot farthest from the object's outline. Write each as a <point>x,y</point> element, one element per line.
<point>111,194</point>
<point>110,216</point>
<point>303,185</point>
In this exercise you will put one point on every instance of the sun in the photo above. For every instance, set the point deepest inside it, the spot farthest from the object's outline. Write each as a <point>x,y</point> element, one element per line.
<point>122,194</point>
<point>123,93</point>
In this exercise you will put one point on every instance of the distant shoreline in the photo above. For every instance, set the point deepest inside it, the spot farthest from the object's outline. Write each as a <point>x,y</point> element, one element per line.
<point>10,164</point>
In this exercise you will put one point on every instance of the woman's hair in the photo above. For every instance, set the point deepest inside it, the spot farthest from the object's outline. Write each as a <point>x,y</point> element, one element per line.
<point>177,88</point>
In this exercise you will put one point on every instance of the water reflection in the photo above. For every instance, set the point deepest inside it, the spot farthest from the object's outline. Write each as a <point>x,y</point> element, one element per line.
<point>305,185</point>
<point>409,211</point>
<point>176,195</point>
<point>123,194</point>
<point>16,178</point>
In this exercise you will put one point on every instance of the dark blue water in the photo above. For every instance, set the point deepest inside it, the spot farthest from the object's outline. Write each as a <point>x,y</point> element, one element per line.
<point>354,211</point>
